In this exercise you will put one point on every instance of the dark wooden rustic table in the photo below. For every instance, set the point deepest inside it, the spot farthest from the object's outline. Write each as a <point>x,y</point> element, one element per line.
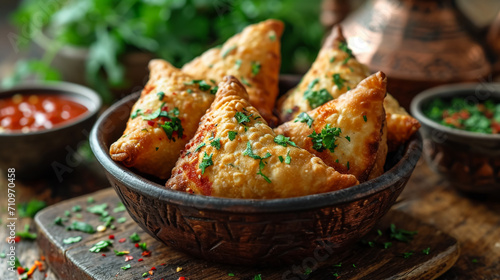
<point>474,222</point>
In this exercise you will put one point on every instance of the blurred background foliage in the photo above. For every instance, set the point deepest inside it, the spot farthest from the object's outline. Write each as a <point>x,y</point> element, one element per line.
<point>175,30</point>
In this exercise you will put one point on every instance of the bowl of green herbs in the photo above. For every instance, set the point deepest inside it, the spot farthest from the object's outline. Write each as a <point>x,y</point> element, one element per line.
<point>461,129</point>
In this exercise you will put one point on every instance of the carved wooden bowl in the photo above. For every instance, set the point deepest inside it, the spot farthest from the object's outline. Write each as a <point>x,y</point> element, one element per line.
<point>469,161</point>
<point>249,231</point>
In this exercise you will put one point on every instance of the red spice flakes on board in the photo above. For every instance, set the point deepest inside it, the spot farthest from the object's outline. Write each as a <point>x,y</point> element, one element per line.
<point>103,255</point>
<point>146,253</point>
<point>153,268</point>
<point>140,260</point>
<point>182,278</point>
<point>136,245</point>
<point>128,258</point>
<point>122,240</point>
<point>111,236</point>
<point>163,264</point>
<point>20,270</point>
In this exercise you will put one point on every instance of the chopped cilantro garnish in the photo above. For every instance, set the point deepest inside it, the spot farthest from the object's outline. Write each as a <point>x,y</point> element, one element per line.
<point>67,213</point>
<point>76,208</point>
<point>426,250</point>
<point>71,240</point>
<point>288,159</point>
<point>255,68</point>
<point>199,147</point>
<point>343,46</point>
<point>242,118</point>
<point>160,95</point>
<point>475,260</point>
<point>257,277</point>
<point>387,245</point>
<point>201,84</point>
<point>248,152</point>
<point>232,135</point>
<point>332,59</point>
<point>272,36</point>
<point>101,245</point>
<point>135,237</point>
<point>326,139</point>
<point>338,265</point>
<point>337,160</point>
<point>121,253</point>
<point>339,82</point>
<point>121,220</point>
<point>230,274</point>
<point>90,200</point>
<point>120,207</point>
<point>126,267</point>
<point>99,209</point>
<point>58,221</point>
<point>313,83</point>
<point>407,255</point>
<point>245,82</point>
<point>215,143</point>
<point>26,234</point>
<point>189,90</point>
<point>304,118</point>
<point>317,98</point>
<point>169,127</point>
<point>364,118</point>
<point>379,232</point>
<point>348,167</point>
<point>282,140</point>
<point>238,63</point>
<point>308,271</point>
<point>206,162</point>
<point>214,90</point>
<point>143,246</point>
<point>281,159</point>
<point>401,234</point>
<point>81,226</point>
<point>348,138</point>
<point>135,114</point>
<point>228,50</point>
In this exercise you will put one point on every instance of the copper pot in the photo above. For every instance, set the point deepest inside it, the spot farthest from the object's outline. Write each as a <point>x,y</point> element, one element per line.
<point>417,43</point>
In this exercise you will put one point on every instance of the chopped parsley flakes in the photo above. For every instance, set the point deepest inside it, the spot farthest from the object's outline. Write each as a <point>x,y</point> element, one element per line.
<point>343,46</point>
<point>248,152</point>
<point>364,118</point>
<point>238,63</point>
<point>201,84</point>
<point>339,82</point>
<point>280,158</point>
<point>325,139</point>
<point>160,95</point>
<point>232,135</point>
<point>199,147</point>
<point>288,159</point>
<point>255,68</point>
<point>206,162</point>
<point>215,143</point>
<point>304,118</point>
<point>245,82</point>
<point>242,118</point>
<point>316,98</point>
<point>214,90</point>
<point>135,114</point>
<point>282,140</point>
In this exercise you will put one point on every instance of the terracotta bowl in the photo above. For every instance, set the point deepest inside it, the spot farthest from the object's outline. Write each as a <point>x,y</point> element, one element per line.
<point>469,161</point>
<point>48,151</point>
<point>249,231</point>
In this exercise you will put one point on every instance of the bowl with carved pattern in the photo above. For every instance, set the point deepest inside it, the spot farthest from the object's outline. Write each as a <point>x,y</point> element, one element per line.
<point>250,231</point>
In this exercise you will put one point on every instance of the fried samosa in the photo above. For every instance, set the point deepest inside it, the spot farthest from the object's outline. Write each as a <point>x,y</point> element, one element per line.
<point>236,154</point>
<point>334,72</point>
<point>163,120</point>
<point>254,57</point>
<point>347,133</point>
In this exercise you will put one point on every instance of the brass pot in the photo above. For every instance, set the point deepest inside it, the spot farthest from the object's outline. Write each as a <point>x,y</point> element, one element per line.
<point>417,43</point>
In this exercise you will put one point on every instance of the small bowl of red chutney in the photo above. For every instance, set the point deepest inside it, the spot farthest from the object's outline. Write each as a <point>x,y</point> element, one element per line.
<point>461,129</point>
<point>42,125</point>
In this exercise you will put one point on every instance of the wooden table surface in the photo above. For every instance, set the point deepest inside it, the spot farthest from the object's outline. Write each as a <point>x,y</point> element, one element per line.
<point>474,222</point>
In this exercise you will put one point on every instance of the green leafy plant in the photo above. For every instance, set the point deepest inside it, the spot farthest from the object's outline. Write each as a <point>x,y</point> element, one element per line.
<point>175,30</point>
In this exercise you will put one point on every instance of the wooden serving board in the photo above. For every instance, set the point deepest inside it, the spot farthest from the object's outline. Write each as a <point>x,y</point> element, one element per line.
<point>75,261</point>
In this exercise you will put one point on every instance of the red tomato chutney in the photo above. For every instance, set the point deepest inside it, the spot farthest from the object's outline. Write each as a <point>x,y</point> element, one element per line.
<point>33,112</point>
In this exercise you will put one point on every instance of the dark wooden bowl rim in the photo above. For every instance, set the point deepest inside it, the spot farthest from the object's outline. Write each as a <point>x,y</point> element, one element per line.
<point>84,96</point>
<point>148,188</point>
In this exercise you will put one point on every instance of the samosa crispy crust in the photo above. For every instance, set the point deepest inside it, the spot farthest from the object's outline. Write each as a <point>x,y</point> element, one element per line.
<point>347,132</point>
<point>236,154</point>
<point>254,57</point>
<point>162,121</point>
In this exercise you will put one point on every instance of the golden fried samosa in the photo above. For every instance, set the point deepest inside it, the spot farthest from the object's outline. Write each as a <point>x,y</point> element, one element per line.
<point>333,73</point>
<point>163,120</point>
<point>254,57</point>
<point>347,132</point>
<point>236,154</point>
